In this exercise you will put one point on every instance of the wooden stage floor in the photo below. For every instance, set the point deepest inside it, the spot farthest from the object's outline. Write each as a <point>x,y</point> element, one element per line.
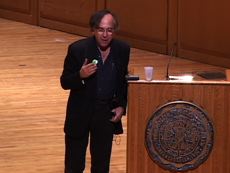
<point>32,104</point>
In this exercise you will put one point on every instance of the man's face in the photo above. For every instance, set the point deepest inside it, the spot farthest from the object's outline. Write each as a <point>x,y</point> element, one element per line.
<point>104,33</point>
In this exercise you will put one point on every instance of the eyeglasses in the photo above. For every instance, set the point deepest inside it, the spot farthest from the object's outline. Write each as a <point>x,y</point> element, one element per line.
<point>109,31</point>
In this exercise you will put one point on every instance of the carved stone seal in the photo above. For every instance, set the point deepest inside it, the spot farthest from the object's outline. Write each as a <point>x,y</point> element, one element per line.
<point>179,136</point>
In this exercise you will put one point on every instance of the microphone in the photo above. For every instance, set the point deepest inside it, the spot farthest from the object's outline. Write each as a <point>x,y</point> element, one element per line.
<point>169,61</point>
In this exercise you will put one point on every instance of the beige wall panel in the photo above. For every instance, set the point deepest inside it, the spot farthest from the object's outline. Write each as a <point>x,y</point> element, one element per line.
<point>203,31</point>
<point>144,23</point>
<point>69,15</point>
<point>20,10</point>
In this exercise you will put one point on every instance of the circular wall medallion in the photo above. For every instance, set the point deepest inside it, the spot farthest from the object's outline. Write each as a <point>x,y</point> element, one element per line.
<point>179,136</point>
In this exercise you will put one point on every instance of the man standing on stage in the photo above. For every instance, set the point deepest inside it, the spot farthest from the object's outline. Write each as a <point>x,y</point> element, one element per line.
<point>94,71</point>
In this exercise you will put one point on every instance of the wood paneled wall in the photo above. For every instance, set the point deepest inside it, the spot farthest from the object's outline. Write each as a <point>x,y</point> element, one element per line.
<point>143,24</point>
<point>69,15</point>
<point>20,10</point>
<point>203,31</point>
<point>196,30</point>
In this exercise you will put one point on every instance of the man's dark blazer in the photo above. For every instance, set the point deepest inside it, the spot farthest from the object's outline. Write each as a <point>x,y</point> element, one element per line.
<point>83,92</point>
